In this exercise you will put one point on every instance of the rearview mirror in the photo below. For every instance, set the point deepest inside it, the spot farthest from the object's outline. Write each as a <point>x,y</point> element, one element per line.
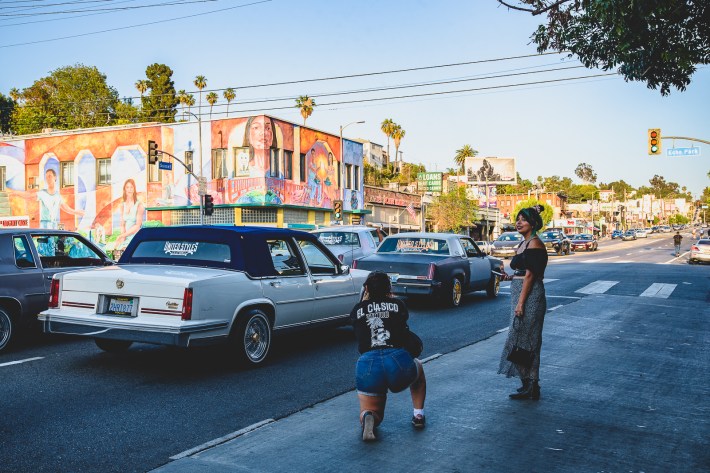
<point>345,269</point>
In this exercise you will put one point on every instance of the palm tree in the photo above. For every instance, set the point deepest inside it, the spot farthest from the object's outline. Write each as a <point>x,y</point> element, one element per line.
<point>200,83</point>
<point>182,99</point>
<point>229,95</point>
<point>461,154</point>
<point>15,95</point>
<point>306,104</point>
<point>386,127</point>
<point>190,102</point>
<point>142,86</point>
<point>397,135</point>
<point>211,99</point>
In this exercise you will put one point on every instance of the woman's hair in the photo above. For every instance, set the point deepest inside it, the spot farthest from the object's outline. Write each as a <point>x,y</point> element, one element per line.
<point>378,285</point>
<point>532,216</point>
<point>135,189</point>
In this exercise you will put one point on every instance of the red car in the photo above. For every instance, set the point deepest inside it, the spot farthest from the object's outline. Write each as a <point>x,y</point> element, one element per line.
<point>584,241</point>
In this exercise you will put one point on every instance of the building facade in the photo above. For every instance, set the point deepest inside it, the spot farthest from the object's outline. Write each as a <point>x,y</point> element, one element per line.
<point>507,202</point>
<point>259,170</point>
<point>393,210</point>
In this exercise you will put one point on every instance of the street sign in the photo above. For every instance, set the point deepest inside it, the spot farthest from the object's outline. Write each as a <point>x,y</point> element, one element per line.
<point>202,186</point>
<point>694,151</point>
<point>430,181</point>
<point>165,165</point>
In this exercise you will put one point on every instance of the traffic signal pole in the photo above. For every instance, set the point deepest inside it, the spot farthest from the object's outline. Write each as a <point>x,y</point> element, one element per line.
<point>202,216</point>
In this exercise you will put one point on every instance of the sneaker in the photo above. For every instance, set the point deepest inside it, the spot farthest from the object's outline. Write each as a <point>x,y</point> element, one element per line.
<point>368,427</point>
<point>418,421</point>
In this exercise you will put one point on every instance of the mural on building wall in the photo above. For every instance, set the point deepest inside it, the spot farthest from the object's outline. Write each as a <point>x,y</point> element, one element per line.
<point>354,193</point>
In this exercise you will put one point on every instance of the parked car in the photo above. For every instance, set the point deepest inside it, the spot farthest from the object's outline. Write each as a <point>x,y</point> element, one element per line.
<point>196,285</point>
<point>484,246</point>
<point>28,260</point>
<point>506,244</point>
<point>616,234</point>
<point>584,241</point>
<point>442,265</point>
<point>348,242</point>
<point>629,235</point>
<point>700,251</point>
<point>556,241</point>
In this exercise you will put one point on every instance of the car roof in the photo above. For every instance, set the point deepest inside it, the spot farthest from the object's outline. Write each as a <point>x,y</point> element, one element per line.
<point>426,235</point>
<point>344,228</point>
<point>36,230</point>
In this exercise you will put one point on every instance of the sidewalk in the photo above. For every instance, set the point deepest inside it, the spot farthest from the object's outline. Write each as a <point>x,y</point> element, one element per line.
<point>625,387</point>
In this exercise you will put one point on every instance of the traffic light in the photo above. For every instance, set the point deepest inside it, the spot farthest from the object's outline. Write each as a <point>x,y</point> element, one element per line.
<point>152,152</point>
<point>208,207</point>
<point>654,141</point>
<point>338,210</point>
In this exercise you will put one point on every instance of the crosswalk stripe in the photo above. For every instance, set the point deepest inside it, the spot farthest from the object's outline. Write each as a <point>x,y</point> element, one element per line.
<point>659,290</point>
<point>597,287</point>
<point>596,260</point>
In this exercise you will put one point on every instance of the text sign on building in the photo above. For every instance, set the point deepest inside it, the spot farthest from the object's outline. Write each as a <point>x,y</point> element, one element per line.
<point>430,181</point>
<point>165,165</point>
<point>15,222</point>
<point>675,152</point>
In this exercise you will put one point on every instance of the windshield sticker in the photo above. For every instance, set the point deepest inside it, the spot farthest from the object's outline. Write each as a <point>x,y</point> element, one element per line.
<point>417,245</point>
<point>332,240</point>
<point>180,249</point>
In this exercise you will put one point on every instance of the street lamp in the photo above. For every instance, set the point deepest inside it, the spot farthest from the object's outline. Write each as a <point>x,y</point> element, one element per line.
<point>201,179</point>
<point>342,157</point>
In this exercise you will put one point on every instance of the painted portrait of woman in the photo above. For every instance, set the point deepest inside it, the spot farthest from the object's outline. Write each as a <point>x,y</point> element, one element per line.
<point>260,137</point>
<point>132,213</point>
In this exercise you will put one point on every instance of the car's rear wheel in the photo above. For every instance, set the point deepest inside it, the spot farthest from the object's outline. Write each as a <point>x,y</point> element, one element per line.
<point>113,346</point>
<point>455,293</point>
<point>6,329</point>
<point>251,338</point>
<point>493,287</point>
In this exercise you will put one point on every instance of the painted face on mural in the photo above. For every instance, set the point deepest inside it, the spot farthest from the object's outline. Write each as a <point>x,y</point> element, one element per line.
<point>261,134</point>
<point>51,179</point>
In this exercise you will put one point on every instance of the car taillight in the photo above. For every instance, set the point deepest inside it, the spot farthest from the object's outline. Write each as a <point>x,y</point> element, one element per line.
<point>432,268</point>
<point>187,304</point>
<point>54,294</point>
<point>694,248</point>
<point>354,264</point>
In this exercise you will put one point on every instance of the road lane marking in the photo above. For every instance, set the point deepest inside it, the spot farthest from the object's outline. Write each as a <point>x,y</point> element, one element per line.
<point>677,257</point>
<point>432,357</point>
<point>502,330</point>
<point>546,280</point>
<point>561,297</point>
<point>629,254</point>
<point>597,287</point>
<point>555,308</point>
<point>221,440</point>
<point>659,290</point>
<point>21,361</point>
<point>597,259</point>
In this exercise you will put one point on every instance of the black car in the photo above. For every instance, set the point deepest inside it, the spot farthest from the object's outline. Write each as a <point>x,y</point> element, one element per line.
<point>442,265</point>
<point>557,242</point>
<point>28,260</point>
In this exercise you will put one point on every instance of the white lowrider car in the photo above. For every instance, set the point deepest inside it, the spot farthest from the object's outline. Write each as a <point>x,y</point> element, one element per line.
<point>188,286</point>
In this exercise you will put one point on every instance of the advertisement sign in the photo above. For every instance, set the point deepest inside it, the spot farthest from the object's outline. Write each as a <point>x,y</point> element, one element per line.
<point>15,222</point>
<point>430,181</point>
<point>490,170</point>
<point>485,200</point>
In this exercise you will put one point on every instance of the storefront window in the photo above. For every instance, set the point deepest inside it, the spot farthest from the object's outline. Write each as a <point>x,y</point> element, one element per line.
<point>103,168</point>
<point>67,178</point>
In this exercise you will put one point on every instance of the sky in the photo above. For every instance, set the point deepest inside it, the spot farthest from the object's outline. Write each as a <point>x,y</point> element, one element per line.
<point>549,128</point>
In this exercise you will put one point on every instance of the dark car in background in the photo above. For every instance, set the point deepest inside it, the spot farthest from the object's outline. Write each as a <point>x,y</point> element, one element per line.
<point>556,241</point>
<point>441,265</point>
<point>506,244</point>
<point>616,234</point>
<point>584,241</point>
<point>29,258</point>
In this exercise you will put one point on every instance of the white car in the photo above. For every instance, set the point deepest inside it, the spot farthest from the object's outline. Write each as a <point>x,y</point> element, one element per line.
<point>641,233</point>
<point>484,246</point>
<point>348,242</point>
<point>188,286</point>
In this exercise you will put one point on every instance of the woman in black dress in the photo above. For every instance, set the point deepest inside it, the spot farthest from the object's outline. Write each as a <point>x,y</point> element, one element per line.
<point>528,304</point>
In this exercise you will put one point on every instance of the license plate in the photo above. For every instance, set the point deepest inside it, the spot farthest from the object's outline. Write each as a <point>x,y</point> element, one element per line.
<point>120,306</point>
<point>393,277</point>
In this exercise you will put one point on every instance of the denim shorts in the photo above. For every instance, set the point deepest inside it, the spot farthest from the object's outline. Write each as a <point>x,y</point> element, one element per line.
<point>377,371</point>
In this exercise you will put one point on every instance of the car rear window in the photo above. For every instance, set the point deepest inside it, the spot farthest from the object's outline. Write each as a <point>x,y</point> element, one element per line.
<point>510,237</point>
<point>183,250</point>
<point>339,238</point>
<point>704,242</point>
<point>414,245</point>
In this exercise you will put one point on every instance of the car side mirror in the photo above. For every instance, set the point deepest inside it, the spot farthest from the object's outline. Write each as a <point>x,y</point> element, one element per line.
<point>344,269</point>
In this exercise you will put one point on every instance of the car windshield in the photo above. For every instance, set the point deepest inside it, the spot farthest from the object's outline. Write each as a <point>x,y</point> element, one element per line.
<point>550,235</point>
<point>510,237</point>
<point>704,242</point>
<point>339,238</point>
<point>583,237</point>
<point>181,250</point>
<point>414,245</point>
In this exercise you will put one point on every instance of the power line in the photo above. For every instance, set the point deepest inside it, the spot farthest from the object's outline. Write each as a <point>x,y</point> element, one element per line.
<point>46,20</point>
<point>134,26</point>
<point>107,10</point>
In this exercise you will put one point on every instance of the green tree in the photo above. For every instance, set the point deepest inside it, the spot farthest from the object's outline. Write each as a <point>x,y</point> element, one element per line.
<point>521,187</point>
<point>70,97</point>
<point>579,193</point>
<point>306,105</point>
<point>182,98</point>
<point>453,211</point>
<point>678,219</point>
<point>387,126</point>
<point>546,214</point>
<point>190,102</point>
<point>619,187</point>
<point>15,95</point>
<point>200,83</point>
<point>7,105</point>
<point>212,99</point>
<point>659,42</point>
<point>126,112</point>
<point>397,135</point>
<point>142,86</point>
<point>161,104</point>
<point>229,95</point>
<point>464,152</point>
<point>585,172</point>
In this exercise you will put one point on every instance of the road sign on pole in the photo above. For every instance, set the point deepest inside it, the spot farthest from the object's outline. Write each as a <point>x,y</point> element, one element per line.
<point>165,165</point>
<point>202,186</point>
<point>694,151</point>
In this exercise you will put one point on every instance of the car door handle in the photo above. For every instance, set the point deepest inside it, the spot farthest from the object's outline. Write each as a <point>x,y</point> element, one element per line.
<point>275,283</point>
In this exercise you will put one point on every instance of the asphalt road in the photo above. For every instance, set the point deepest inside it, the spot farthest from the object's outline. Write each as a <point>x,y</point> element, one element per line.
<point>70,407</point>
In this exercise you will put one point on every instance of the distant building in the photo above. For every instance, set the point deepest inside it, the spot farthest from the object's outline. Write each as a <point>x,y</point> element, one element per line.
<point>508,202</point>
<point>373,153</point>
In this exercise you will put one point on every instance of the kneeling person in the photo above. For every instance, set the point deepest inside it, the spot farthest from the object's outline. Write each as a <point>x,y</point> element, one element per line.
<point>380,323</point>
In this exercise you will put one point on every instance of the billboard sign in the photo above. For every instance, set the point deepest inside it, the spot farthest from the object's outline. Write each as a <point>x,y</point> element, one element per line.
<point>489,199</point>
<point>430,181</point>
<point>484,171</point>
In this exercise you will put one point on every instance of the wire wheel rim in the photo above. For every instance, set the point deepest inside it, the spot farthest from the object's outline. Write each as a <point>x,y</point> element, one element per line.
<point>456,292</point>
<point>256,338</point>
<point>496,286</point>
<point>5,330</point>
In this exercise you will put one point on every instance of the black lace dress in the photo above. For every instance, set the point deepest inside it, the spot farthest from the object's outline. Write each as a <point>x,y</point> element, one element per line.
<point>527,331</point>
